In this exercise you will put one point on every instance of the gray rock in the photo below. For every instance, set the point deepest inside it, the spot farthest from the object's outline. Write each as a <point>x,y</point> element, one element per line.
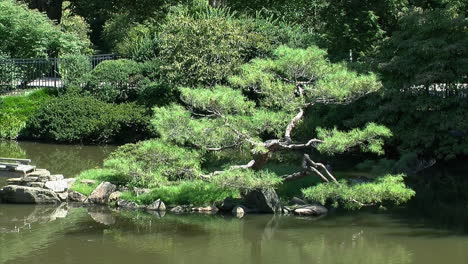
<point>239,211</point>
<point>178,209</point>
<point>39,173</point>
<point>28,195</point>
<point>115,196</point>
<point>157,205</point>
<point>310,210</point>
<point>63,196</point>
<point>263,200</point>
<point>297,201</point>
<point>56,186</point>
<point>35,184</point>
<point>101,194</point>
<point>74,196</point>
<point>129,205</point>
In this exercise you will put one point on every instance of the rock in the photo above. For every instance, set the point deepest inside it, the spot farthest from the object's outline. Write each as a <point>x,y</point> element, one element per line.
<point>115,196</point>
<point>206,209</point>
<point>28,195</point>
<point>39,173</point>
<point>178,209</point>
<point>239,211</point>
<point>157,205</point>
<point>228,204</point>
<point>56,177</point>
<point>310,210</point>
<point>15,181</point>
<point>101,194</point>
<point>76,197</point>
<point>263,200</point>
<point>21,181</point>
<point>35,184</point>
<point>63,196</point>
<point>297,201</point>
<point>88,182</point>
<point>57,186</point>
<point>129,205</point>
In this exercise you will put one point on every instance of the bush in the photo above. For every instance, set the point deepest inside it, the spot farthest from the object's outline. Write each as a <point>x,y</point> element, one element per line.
<point>345,194</point>
<point>115,80</point>
<point>86,119</point>
<point>154,163</point>
<point>73,69</point>
<point>16,110</point>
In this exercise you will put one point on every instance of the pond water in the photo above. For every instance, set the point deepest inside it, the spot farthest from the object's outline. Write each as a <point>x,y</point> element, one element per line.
<point>68,160</point>
<point>46,234</point>
<point>65,234</point>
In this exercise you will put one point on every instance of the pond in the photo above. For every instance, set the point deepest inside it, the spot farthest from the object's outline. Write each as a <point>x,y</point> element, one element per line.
<point>67,234</point>
<point>68,160</point>
<point>47,234</point>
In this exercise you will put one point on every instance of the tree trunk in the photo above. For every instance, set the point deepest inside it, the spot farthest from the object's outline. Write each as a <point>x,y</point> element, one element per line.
<point>53,8</point>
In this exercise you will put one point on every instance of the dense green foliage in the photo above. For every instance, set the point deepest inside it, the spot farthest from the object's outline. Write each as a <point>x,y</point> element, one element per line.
<point>251,82</point>
<point>15,112</point>
<point>114,80</point>
<point>386,188</point>
<point>27,33</point>
<point>73,118</point>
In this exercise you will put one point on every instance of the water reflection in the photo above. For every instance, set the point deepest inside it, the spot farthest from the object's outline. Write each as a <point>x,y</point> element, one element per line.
<point>65,234</point>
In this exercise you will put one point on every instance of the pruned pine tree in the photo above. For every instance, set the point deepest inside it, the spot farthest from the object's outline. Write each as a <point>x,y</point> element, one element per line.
<point>257,115</point>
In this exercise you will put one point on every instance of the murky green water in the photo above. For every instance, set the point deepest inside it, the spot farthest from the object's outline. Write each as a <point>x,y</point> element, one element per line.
<point>44,234</point>
<point>68,160</point>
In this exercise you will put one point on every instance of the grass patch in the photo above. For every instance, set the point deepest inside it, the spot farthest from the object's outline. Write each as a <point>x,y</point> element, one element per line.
<point>197,193</point>
<point>98,175</point>
<point>16,110</point>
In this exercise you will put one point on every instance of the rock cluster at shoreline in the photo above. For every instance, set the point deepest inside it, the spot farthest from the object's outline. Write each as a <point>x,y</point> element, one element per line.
<point>41,187</point>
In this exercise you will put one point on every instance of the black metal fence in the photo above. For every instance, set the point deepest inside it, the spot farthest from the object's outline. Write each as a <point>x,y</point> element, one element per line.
<point>21,74</point>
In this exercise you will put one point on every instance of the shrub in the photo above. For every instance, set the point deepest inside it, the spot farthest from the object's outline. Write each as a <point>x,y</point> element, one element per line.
<point>73,69</point>
<point>153,163</point>
<point>86,119</point>
<point>16,110</point>
<point>385,188</point>
<point>115,80</point>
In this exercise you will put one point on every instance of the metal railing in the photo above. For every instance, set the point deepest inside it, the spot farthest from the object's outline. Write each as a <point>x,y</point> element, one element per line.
<point>25,74</point>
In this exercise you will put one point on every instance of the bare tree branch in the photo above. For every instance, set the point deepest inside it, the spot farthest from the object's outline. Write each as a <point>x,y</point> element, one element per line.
<point>292,124</point>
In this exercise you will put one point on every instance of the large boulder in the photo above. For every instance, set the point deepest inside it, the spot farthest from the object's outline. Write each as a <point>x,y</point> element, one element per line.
<point>263,201</point>
<point>28,195</point>
<point>101,194</point>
